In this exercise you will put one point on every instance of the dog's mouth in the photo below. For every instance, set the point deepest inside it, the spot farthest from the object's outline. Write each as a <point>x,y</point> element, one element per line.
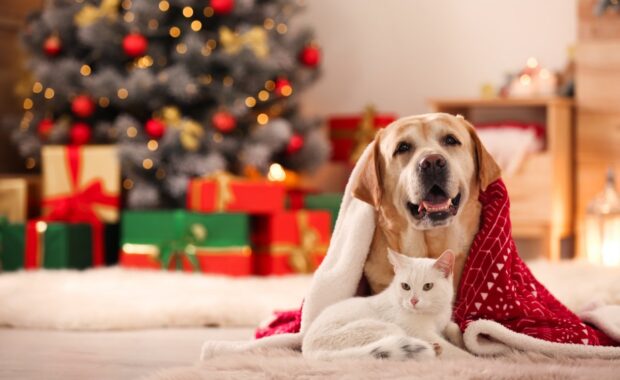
<point>436,205</point>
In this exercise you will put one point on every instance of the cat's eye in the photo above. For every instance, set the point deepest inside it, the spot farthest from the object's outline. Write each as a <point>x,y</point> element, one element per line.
<point>428,286</point>
<point>451,140</point>
<point>403,147</point>
<point>405,286</point>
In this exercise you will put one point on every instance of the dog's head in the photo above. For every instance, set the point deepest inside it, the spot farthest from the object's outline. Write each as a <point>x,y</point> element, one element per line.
<point>425,168</point>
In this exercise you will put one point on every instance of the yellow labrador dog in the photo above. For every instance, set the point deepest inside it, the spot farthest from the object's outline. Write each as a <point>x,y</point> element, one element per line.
<point>423,178</point>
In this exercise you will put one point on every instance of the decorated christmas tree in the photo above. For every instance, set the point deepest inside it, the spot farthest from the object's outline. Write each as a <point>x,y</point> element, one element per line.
<point>184,87</point>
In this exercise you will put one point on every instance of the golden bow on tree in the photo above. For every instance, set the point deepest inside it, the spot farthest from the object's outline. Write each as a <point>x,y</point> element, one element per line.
<point>191,131</point>
<point>254,39</point>
<point>90,13</point>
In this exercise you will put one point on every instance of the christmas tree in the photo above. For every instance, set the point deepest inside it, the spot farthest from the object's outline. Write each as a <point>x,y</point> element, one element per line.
<point>184,87</point>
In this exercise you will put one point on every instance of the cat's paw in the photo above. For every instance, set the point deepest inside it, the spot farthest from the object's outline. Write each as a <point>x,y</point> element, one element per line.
<point>403,348</point>
<point>437,348</point>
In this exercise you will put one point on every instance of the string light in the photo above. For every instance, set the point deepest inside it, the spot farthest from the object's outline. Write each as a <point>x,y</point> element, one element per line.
<point>282,28</point>
<point>263,95</point>
<point>144,62</point>
<point>175,32</point>
<point>212,44</point>
<point>276,173</point>
<point>227,81</point>
<point>104,101</point>
<point>152,145</point>
<point>153,24</point>
<point>49,93</point>
<point>160,173</point>
<point>188,12</point>
<point>129,17</point>
<point>262,118</point>
<point>122,93</point>
<point>132,132</point>
<point>147,163</point>
<point>208,11</point>
<point>37,87</point>
<point>286,90</point>
<point>250,101</point>
<point>532,62</point>
<point>205,79</point>
<point>85,70</point>
<point>525,79</point>
<point>28,103</point>
<point>127,184</point>
<point>126,4</point>
<point>196,25</point>
<point>218,137</point>
<point>164,5</point>
<point>269,23</point>
<point>270,85</point>
<point>30,163</point>
<point>206,51</point>
<point>181,48</point>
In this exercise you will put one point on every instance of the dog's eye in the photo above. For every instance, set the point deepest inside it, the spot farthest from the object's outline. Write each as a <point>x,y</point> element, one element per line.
<point>428,286</point>
<point>405,286</point>
<point>403,147</point>
<point>451,140</point>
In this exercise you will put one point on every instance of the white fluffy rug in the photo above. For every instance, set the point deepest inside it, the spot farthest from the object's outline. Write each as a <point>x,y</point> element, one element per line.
<point>115,298</point>
<point>285,364</point>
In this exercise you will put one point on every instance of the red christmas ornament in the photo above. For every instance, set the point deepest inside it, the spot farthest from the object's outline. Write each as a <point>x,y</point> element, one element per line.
<point>80,133</point>
<point>155,128</point>
<point>310,56</point>
<point>52,46</point>
<point>295,144</point>
<point>223,121</point>
<point>83,106</point>
<point>135,45</point>
<point>283,87</point>
<point>222,6</point>
<point>45,127</point>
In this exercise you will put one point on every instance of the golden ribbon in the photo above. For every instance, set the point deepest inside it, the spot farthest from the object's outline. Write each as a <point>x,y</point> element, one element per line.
<point>90,13</point>
<point>223,191</point>
<point>254,39</point>
<point>191,131</point>
<point>301,256</point>
<point>365,133</point>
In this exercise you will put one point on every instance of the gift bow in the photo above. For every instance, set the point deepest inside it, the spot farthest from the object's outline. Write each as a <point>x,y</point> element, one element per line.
<point>254,39</point>
<point>191,131</point>
<point>174,250</point>
<point>364,134</point>
<point>301,257</point>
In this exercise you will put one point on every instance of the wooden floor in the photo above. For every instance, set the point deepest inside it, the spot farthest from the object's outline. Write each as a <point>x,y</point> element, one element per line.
<point>50,355</point>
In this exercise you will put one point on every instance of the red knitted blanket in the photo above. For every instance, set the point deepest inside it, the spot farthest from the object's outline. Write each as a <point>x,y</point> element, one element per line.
<point>496,285</point>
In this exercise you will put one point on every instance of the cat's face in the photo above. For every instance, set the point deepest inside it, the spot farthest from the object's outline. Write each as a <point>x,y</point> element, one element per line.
<point>422,285</point>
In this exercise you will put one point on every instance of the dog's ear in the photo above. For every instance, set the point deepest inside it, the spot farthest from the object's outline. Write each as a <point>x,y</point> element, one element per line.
<point>368,186</point>
<point>488,170</point>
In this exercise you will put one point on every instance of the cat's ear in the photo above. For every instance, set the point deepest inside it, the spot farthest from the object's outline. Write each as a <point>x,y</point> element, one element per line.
<point>445,263</point>
<point>396,259</point>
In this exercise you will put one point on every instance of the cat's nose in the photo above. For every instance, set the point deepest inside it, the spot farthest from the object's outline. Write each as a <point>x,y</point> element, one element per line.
<point>414,301</point>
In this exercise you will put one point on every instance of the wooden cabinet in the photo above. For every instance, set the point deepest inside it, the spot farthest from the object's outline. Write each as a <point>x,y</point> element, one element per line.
<point>541,195</point>
<point>597,85</point>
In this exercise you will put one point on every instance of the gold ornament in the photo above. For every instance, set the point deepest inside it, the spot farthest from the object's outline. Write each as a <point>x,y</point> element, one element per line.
<point>191,131</point>
<point>90,13</point>
<point>254,39</point>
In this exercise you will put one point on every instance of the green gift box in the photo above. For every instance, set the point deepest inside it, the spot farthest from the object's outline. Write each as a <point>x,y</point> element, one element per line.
<point>326,201</point>
<point>210,243</point>
<point>39,244</point>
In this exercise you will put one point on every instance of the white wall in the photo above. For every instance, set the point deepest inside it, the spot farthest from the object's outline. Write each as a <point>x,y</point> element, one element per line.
<point>398,53</point>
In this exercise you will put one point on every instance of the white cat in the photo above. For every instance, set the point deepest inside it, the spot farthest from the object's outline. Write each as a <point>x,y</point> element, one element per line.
<point>405,321</point>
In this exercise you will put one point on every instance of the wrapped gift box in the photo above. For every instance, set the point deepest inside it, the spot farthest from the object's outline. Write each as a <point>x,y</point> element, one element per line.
<point>290,241</point>
<point>20,197</point>
<point>38,244</point>
<point>326,201</point>
<point>210,243</point>
<point>350,134</point>
<point>223,192</point>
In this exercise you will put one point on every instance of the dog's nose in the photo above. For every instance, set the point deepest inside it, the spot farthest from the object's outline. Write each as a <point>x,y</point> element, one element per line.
<point>432,162</point>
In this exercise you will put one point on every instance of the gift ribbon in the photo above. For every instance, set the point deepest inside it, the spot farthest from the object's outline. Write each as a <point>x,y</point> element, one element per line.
<point>364,134</point>
<point>34,255</point>
<point>77,206</point>
<point>300,256</point>
<point>254,39</point>
<point>224,195</point>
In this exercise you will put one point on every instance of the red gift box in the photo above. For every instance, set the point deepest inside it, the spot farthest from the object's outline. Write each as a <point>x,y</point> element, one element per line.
<point>223,192</point>
<point>350,134</point>
<point>290,242</point>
